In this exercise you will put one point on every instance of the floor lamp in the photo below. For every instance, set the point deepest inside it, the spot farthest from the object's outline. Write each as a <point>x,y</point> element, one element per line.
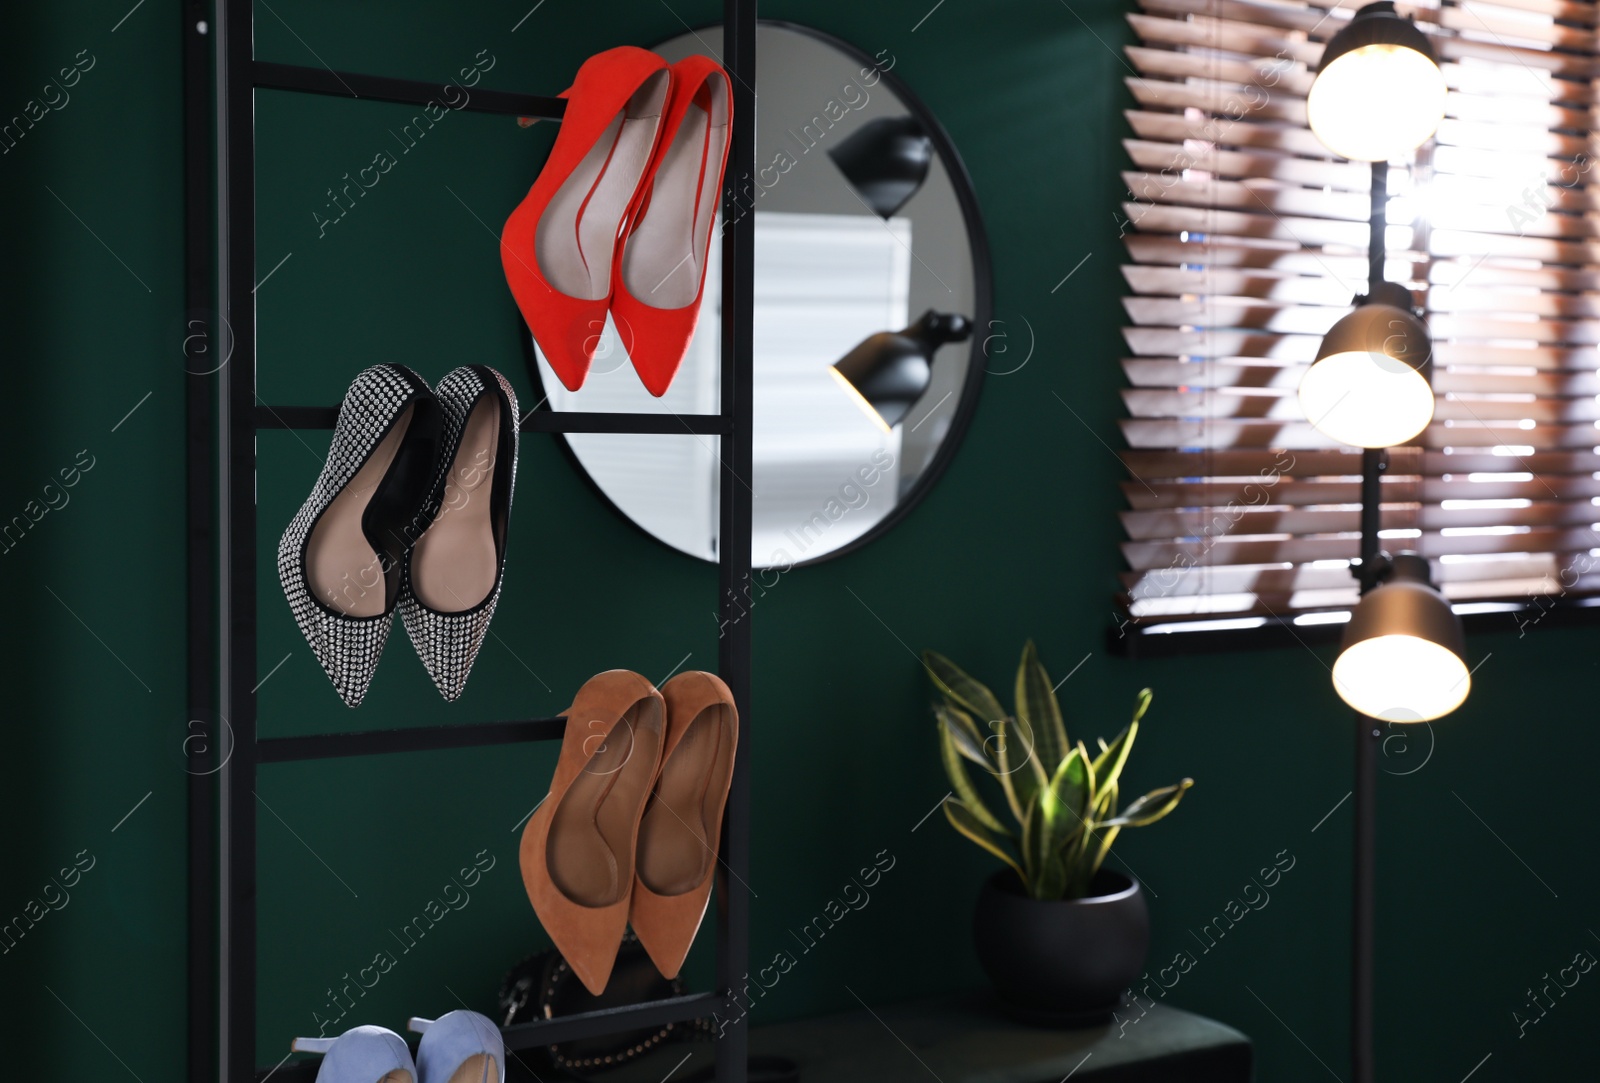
<point>1378,95</point>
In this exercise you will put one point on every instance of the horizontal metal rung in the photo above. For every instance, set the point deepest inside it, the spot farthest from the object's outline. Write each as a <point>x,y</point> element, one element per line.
<point>669,424</point>
<point>568,1028</point>
<point>595,1024</point>
<point>296,417</point>
<point>451,96</point>
<point>416,739</point>
<point>323,417</point>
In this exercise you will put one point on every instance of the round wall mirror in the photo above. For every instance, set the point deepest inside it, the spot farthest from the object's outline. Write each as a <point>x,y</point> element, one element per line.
<point>872,299</point>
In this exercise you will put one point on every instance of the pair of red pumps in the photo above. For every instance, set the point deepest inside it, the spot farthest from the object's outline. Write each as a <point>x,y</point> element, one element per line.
<point>620,218</point>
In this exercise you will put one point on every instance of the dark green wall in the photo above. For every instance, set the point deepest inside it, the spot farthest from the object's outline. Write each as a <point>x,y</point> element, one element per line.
<point>1485,873</point>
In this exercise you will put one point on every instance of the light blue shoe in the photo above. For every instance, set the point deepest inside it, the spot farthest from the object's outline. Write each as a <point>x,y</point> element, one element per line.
<point>362,1055</point>
<point>459,1047</point>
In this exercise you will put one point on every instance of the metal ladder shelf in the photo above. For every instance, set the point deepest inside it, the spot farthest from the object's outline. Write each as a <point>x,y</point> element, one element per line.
<point>223,417</point>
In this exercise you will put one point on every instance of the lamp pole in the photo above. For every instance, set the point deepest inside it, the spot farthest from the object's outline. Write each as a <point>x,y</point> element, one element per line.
<point>1366,812</point>
<point>1365,846</point>
<point>1394,54</point>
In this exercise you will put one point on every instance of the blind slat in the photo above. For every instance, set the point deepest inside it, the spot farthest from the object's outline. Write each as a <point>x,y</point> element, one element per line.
<point>1246,463</point>
<point>1219,98</point>
<point>1329,17</point>
<point>1243,372</point>
<point>1289,318</point>
<point>1241,521</point>
<point>1291,348</point>
<point>1469,299</point>
<point>1145,556</point>
<point>1216,405</point>
<point>1299,289</point>
<point>1458,273</point>
<point>1174,128</point>
<point>1304,231</point>
<point>1176,157</point>
<point>1307,290</point>
<point>1295,435</point>
<point>1269,199</point>
<point>1279,581</point>
<point>1249,72</point>
<point>1211,495</point>
<point>1227,312</point>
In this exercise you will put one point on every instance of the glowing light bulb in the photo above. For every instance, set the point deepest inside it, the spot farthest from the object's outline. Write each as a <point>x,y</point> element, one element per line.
<point>1369,384</point>
<point>1379,93</point>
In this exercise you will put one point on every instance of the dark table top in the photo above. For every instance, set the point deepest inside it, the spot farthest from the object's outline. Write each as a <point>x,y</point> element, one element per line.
<point>969,1040</point>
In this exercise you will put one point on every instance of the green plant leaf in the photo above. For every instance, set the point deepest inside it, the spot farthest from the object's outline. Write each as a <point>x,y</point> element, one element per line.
<point>1009,743</point>
<point>1038,708</point>
<point>1012,747</point>
<point>1056,823</point>
<point>1073,789</point>
<point>962,820</point>
<point>1096,855</point>
<point>1151,807</point>
<point>964,732</point>
<point>961,782</point>
<point>1041,863</point>
<point>1141,703</point>
<point>1032,831</point>
<point>1085,857</point>
<point>1075,842</point>
<point>970,695</point>
<point>1105,803</point>
<point>1108,765</point>
<point>1050,881</point>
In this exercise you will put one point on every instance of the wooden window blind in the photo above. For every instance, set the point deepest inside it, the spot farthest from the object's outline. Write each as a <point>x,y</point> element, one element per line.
<point>1247,240</point>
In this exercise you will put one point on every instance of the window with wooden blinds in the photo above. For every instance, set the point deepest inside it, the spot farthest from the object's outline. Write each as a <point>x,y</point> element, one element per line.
<point>1247,240</point>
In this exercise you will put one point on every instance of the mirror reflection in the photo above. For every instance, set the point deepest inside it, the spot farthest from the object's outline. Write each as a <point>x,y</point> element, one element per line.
<point>867,289</point>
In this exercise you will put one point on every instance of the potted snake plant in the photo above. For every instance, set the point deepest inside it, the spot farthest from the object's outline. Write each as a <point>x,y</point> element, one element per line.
<point>1060,935</point>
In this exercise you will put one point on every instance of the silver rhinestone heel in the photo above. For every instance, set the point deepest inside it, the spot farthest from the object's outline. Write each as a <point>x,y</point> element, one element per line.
<point>451,579</point>
<point>341,559</point>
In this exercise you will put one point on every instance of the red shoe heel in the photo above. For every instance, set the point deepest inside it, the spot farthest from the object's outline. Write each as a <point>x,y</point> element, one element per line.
<point>660,271</point>
<point>558,246</point>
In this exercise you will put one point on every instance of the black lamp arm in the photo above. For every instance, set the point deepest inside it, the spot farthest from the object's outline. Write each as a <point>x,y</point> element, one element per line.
<point>1373,572</point>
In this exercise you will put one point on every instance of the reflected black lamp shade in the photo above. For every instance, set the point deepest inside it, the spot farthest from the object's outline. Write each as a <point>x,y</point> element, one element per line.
<point>888,372</point>
<point>885,160</point>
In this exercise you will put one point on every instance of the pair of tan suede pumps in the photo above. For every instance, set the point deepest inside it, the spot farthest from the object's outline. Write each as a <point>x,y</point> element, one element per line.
<point>630,829</point>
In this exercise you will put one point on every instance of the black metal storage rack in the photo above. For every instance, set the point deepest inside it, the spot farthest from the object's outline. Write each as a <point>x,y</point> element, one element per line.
<point>222,545</point>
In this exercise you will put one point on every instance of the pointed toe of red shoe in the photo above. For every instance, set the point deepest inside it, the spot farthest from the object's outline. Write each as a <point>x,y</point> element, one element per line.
<point>659,275</point>
<point>656,339</point>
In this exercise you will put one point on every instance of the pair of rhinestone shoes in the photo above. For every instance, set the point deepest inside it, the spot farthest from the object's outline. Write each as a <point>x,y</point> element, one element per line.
<point>410,513</point>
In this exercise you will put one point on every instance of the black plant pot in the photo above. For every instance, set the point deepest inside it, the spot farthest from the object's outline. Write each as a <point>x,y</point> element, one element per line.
<point>1065,962</point>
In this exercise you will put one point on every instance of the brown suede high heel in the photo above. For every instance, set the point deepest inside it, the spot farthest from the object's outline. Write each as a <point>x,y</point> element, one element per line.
<point>682,827</point>
<point>578,849</point>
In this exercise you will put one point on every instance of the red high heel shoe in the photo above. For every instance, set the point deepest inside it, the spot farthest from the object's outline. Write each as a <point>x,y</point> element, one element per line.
<point>558,246</point>
<point>660,271</point>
